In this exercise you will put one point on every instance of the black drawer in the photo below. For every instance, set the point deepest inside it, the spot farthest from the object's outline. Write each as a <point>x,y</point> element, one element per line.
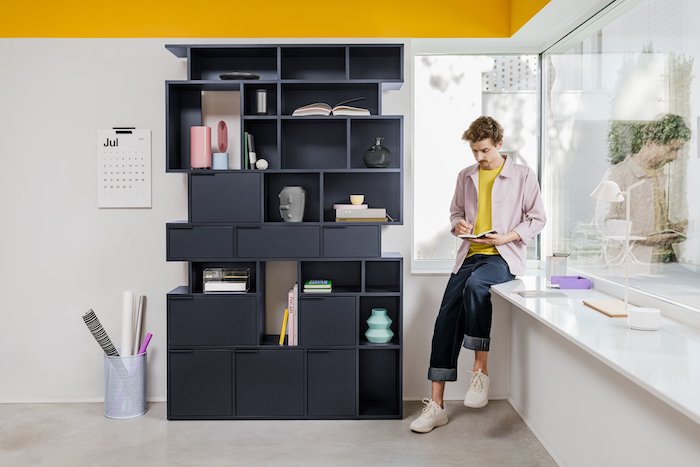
<point>326,321</point>
<point>199,383</point>
<point>211,320</point>
<point>296,241</point>
<point>225,197</point>
<point>344,241</point>
<point>269,382</point>
<point>331,382</point>
<point>186,242</point>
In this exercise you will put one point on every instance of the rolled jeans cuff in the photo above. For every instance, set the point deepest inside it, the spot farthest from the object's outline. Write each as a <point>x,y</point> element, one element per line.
<point>476,343</point>
<point>442,374</point>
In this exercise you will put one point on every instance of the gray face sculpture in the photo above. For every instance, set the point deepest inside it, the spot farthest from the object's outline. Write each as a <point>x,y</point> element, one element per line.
<point>292,202</point>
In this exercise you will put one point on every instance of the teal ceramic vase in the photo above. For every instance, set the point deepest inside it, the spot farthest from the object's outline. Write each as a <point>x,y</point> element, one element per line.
<point>379,323</point>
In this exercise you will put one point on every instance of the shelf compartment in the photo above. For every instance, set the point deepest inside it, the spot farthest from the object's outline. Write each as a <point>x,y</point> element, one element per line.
<point>351,241</point>
<point>313,62</point>
<point>197,275</point>
<point>208,320</point>
<point>327,321</point>
<point>393,308</point>
<point>208,63</point>
<point>383,276</point>
<point>346,275</point>
<point>381,190</point>
<point>225,197</point>
<point>269,382</point>
<point>183,101</point>
<point>331,382</point>
<point>250,98</point>
<point>380,62</point>
<point>314,144</point>
<point>363,133</point>
<point>199,383</point>
<point>274,182</point>
<point>295,95</point>
<point>264,133</point>
<point>380,391</point>
<point>186,242</point>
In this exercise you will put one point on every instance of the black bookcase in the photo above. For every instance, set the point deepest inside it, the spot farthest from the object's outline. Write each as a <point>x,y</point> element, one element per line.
<point>221,363</point>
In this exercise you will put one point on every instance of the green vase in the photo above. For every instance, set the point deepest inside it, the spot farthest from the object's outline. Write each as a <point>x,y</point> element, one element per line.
<point>379,323</point>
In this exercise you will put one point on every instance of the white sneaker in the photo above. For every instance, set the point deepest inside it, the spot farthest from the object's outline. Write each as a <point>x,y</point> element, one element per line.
<point>478,393</point>
<point>432,416</point>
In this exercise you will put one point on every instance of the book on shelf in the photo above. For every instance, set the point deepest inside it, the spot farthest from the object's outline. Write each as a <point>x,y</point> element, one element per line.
<point>367,212</point>
<point>252,155</point>
<point>349,206</point>
<point>283,330</point>
<point>293,319</point>
<point>361,219</point>
<point>318,284</point>
<point>225,286</point>
<point>245,151</point>
<point>317,290</point>
<point>323,109</point>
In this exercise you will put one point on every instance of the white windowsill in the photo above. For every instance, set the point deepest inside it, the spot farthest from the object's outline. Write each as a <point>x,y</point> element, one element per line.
<point>666,363</point>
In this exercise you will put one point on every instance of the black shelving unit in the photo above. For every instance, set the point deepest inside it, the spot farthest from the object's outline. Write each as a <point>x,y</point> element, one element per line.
<point>221,363</point>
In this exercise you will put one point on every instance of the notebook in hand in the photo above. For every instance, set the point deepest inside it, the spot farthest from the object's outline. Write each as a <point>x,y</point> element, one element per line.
<point>479,235</point>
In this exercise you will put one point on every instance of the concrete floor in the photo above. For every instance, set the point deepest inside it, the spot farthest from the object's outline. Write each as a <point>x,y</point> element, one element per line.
<point>78,435</point>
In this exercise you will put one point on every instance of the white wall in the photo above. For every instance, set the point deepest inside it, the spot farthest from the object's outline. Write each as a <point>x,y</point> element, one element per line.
<point>60,255</point>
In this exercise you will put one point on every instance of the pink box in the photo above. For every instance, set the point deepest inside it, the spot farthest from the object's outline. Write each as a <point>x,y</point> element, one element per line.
<point>200,147</point>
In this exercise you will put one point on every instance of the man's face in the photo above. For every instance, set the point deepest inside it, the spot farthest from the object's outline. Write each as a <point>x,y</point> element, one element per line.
<point>486,153</point>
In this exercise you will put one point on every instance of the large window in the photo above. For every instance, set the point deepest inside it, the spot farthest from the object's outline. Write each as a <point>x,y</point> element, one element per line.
<point>621,104</point>
<point>450,92</point>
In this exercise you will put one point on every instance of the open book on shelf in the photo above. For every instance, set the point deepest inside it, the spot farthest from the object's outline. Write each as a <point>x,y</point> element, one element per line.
<point>323,109</point>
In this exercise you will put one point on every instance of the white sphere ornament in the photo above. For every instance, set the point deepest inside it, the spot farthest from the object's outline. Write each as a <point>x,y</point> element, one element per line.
<point>261,164</point>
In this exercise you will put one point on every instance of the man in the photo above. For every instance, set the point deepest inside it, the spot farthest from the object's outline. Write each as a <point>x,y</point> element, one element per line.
<point>495,193</point>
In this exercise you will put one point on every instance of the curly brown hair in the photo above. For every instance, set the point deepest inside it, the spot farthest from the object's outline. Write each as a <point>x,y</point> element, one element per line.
<point>482,128</point>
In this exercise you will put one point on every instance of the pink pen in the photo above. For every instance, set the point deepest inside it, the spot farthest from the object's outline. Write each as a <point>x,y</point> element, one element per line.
<point>146,341</point>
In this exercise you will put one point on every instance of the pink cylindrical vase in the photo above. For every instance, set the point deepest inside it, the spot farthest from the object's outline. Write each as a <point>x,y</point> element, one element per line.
<point>200,147</point>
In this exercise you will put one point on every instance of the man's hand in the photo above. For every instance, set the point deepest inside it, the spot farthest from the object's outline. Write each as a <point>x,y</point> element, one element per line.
<point>496,238</point>
<point>462,227</point>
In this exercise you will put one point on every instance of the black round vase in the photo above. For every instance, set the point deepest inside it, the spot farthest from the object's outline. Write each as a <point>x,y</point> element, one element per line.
<point>378,156</point>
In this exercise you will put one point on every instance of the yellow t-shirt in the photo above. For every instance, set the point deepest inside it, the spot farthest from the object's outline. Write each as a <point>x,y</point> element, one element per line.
<point>483,211</point>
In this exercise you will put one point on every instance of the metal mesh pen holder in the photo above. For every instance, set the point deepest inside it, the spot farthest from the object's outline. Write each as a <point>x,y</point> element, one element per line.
<point>125,386</point>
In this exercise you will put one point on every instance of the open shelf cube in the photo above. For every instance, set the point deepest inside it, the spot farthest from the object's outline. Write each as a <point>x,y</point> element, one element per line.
<point>295,95</point>
<point>313,62</point>
<point>314,144</point>
<point>363,133</point>
<point>379,188</point>
<point>380,391</point>
<point>346,275</point>
<point>310,182</point>
<point>376,62</point>
<point>208,63</point>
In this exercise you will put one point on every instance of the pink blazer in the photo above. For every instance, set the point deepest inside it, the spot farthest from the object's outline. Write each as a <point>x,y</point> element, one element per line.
<point>516,205</point>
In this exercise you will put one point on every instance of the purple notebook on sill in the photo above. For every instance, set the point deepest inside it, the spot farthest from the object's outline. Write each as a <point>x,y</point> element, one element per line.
<point>571,282</point>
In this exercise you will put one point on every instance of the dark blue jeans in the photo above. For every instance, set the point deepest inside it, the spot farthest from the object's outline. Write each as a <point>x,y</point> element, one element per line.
<point>465,313</point>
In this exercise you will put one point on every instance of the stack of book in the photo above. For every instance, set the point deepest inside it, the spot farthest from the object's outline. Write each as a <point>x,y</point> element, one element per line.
<point>318,286</point>
<point>359,213</point>
<point>226,280</point>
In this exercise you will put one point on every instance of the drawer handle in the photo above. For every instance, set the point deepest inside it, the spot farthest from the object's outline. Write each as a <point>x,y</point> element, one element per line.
<point>182,351</point>
<point>318,351</point>
<point>247,351</point>
<point>203,174</point>
<point>335,226</point>
<point>181,297</point>
<point>248,227</point>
